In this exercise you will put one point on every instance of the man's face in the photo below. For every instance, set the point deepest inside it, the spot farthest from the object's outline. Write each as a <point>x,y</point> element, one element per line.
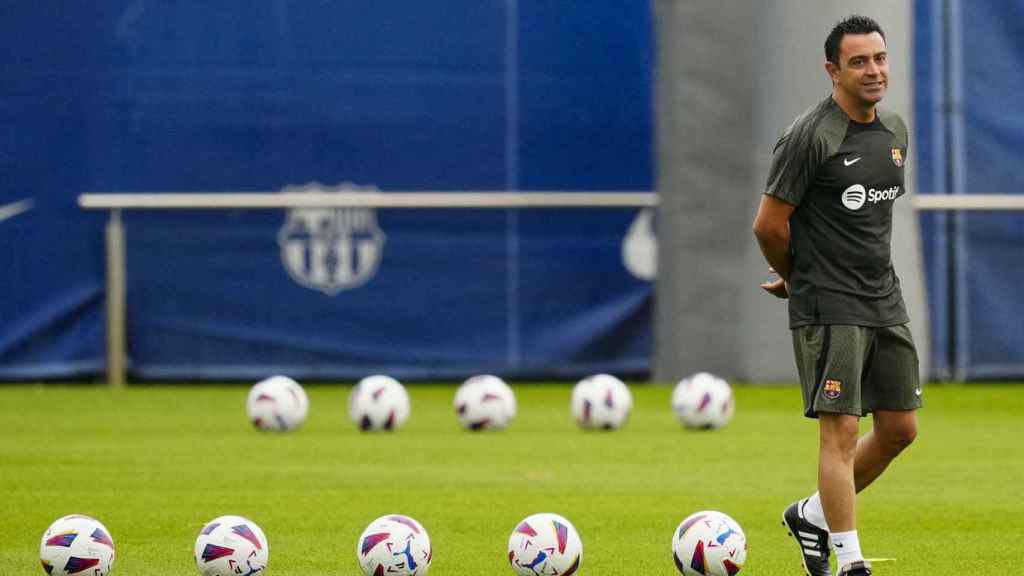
<point>863,70</point>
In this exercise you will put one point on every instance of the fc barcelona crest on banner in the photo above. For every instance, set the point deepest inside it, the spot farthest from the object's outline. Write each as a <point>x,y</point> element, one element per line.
<point>331,249</point>
<point>897,157</point>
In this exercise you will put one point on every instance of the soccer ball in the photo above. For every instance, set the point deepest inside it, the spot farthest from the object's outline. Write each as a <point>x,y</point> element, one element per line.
<point>709,543</point>
<point>277,404</point>
<point>703,401</point>
<point>378,403</point>
<point>545,545</point>
<point>395,545</point>
<point>77,544</point>
<point>231,545</point>
<point>601,401</point>
<point>485,402</point>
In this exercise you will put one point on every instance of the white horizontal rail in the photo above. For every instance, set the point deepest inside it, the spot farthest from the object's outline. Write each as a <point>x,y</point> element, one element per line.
<point>252,200</point>
<point>997,202</point>
<point>433,200</point>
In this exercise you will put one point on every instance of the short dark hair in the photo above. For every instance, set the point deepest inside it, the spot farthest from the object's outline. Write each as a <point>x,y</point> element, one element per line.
<point>854,24</point>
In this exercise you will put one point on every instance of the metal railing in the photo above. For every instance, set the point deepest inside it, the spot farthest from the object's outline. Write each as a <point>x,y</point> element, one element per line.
<point>986,202</point>
<point>116,202</point>
<point>115,236</point>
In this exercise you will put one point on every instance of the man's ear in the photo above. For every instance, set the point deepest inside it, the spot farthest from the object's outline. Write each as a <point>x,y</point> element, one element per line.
<point>833,71</point>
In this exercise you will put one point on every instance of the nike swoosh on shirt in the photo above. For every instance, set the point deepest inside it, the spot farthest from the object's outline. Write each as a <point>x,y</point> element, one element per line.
<point>848,162</point>
<point>8,211</point>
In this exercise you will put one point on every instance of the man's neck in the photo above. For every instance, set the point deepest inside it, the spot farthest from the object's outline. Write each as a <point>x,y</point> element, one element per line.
<point>857,111</point>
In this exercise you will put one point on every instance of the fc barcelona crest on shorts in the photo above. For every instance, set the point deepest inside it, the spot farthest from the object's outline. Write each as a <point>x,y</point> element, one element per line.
<point>833,388</point>
<point>897,157</point>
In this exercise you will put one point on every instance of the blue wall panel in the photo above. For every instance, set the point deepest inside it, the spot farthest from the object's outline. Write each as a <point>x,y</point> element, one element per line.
<point>188,96</point>
<point>969,140</point>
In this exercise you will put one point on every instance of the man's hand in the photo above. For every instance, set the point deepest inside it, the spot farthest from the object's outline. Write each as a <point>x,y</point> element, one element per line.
<point>778,288</point>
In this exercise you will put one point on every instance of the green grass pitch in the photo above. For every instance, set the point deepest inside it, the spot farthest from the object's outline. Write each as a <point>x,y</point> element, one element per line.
<point>154,463</point>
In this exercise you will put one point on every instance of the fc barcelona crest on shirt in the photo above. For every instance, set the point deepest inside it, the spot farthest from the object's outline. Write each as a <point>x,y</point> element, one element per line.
<point>897,157</point>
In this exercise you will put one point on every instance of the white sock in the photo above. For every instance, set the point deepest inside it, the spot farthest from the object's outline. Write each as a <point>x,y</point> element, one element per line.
<point>814,513</point>
<point>847,547</point>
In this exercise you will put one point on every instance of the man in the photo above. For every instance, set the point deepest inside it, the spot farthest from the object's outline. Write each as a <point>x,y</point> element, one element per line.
<point>824,225</point>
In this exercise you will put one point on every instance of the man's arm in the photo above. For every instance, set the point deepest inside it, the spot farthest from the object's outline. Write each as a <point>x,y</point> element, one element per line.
<point>771,227</point>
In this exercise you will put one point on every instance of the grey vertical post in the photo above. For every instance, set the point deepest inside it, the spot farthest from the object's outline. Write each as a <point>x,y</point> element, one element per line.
<point>115,300</point>
<point>704,106</point>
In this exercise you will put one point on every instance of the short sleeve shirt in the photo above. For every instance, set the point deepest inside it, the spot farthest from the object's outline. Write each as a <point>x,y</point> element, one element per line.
<point>843,178</point>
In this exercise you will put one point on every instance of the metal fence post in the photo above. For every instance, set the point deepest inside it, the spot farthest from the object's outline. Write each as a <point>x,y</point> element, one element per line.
<point>115,300</point>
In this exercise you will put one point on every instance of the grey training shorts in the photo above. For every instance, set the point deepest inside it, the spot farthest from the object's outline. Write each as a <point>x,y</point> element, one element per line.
<point>856,369</point>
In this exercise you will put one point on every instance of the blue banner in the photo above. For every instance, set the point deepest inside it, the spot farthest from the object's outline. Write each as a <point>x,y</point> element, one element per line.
<point>150,97</point>
<point>328,293</point>
<point>968,142</point>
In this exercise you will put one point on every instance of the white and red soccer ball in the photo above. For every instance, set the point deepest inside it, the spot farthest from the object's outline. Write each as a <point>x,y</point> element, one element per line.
<point>601,401</point>
<point>545,545</point>
<point>77,544</point>
<point>231,546</point>
<point>394,545</point>
<point>277,404</point>
<point>485,402</point>
<point>703,401</point>
<point>379,403</point>
<point>709,543</point>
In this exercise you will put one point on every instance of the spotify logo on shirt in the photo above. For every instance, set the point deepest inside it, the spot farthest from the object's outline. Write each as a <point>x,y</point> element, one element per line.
<point>855,196</point>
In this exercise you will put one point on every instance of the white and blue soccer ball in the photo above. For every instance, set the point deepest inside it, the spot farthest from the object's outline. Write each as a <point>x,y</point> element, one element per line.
<point>394,545</point>
<point>231,546</point>
<point>277,404</point>
<point>709,543</point>
<point>601,401</point>
<point>77,544</point>
<point>485,402</point>
<point>703,401</point>
<point>545,544</point>
<point>379,403</point>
